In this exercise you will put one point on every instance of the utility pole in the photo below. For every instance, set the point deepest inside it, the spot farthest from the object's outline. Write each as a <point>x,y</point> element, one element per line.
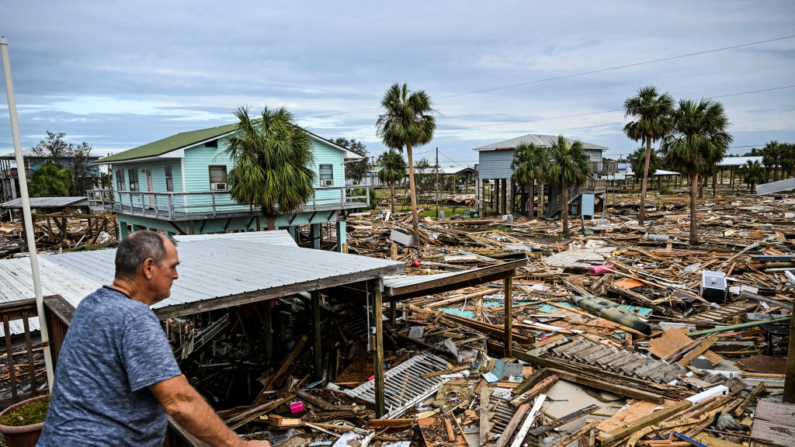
<point>23,189</point>
<point>437,183</point>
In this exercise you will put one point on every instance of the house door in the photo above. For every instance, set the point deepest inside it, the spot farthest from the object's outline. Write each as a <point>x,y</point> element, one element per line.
<point>149,188</point>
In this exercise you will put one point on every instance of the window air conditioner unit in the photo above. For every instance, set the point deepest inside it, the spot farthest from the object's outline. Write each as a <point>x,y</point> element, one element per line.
<point>327,182</point>
<point>218,186</point>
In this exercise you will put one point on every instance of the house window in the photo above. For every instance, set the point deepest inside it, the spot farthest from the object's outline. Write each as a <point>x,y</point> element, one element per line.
<point>213,143</point>
<point>120,180</point>
<point>326,175</point>
<point>169,179</point>
<point>217,176</point>
<point>133,174</point>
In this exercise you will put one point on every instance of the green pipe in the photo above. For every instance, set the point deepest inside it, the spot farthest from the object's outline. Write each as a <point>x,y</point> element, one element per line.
<point>737,326</point>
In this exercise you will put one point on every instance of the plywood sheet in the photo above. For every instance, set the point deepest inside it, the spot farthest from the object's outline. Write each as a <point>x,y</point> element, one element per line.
<point>635,411</point>
<point>627,283</point>
<point>673,340</point>
<point>764,364</point>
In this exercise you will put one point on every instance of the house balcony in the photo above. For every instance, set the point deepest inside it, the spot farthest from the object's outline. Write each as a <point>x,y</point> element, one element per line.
<point>603,167</point>
<point>185,206</point>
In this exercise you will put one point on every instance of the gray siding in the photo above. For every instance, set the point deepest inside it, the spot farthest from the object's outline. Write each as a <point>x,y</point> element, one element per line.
<point>594,155</point>
<point>495,164</point>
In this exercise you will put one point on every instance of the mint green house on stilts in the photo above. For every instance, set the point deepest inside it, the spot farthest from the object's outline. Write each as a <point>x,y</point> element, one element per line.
<point>177,185</point>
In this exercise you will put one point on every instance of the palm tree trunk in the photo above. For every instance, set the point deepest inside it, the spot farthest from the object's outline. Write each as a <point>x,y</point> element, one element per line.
<point>413,191</point>
<point>540,199</point>
<point>642,211</point>
<point>530,204</point>
<point>392,190</point>
<point>715,183</point>
<point>693,215</point>
<point>271,223</point>
<point>564,210</point>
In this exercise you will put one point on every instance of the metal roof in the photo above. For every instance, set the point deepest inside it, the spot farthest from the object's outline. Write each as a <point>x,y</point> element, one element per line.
<point>739,161</point>
<point>47,202</point>
<point>540,140</point>
<point>211,266</point>
<point>16,283</point>
<point>453,280</point>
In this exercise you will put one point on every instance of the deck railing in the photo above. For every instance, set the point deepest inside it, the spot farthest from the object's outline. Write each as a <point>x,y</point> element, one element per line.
<point>19,374</point>
<point>167,205</point>
<point>603,167</point>
<point>592,185</point>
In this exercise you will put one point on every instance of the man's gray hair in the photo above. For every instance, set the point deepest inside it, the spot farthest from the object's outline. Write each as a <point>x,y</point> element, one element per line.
<point>137,248</point>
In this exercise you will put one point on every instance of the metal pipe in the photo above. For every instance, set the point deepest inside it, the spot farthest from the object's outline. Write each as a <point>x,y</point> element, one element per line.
<point>23,189</point>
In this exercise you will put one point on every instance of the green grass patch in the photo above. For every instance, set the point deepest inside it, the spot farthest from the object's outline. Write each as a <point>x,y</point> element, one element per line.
<point>28,414</point>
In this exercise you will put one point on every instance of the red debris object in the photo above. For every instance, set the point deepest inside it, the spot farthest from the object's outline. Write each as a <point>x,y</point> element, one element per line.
<point>416,263</point>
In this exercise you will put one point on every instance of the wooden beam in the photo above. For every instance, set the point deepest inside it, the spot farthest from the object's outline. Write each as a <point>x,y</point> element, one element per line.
<point>698,350</point>
<point>508,306</point>
<point>465,279</point>
<point>177,228</point>
<point>378,356</point>
<point>318,336</point>
<point>512,425</point>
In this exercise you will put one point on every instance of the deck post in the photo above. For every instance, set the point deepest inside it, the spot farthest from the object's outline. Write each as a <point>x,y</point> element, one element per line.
<point>508,290</point>
<point>317,334</point>
<point>342,235</point>
<point>314,235</point>
<point>789,380</point>
<point>378,355</point>
<point>503,196</point>
<point>123,231</point>
<point>268,329</point>
<point>393,312</point>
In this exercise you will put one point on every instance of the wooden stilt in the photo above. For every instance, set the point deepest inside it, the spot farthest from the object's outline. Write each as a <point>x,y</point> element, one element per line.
<point>318,336</point>
<point>268,329</point>
<point>508,315</point>
<point>393,312</point>
<point>378,355</point>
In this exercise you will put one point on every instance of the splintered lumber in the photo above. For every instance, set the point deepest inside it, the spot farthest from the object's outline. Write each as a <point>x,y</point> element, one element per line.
<point>485,393</point>
<point>574,435</point>
<point>615,436</point>
<point>322,404</point>
<point>497,331</point>
<point>611,387</point>
<point>563,420</point>
<point>539,388</point>
<point>256,412</point>
<point>288,362</point>
<point>759,389</point>
<point>531,381</point>
<point>447,371</point>
<point>698,350</point>
<point>512,425</point>
<point>390,423</point>
<point>528,422</point>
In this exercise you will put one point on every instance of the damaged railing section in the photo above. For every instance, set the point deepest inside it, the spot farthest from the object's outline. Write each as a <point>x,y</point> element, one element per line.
<point>20,379</point>
<point>403,387</point>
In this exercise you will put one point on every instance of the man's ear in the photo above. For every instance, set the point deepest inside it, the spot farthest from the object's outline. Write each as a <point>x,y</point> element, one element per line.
<point>148,267</point>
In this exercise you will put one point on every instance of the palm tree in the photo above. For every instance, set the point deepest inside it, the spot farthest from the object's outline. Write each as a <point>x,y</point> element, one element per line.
<point>408,120</point>
<point>273,159</point>
<point>700,138</point>
<point>393,170</point>
<point>51,180</point>
<point>752,173</point>
<point>637,161</point>
<point>771,156</point>
<point>787,160</point>
<point>529,165</point>
<point>569,167</point>
<point>653,122</point>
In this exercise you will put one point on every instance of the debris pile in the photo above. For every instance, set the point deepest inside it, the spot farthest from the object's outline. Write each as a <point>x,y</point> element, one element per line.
<point>59,231</point>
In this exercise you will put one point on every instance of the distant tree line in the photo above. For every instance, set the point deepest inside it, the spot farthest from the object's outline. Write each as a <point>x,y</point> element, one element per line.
<point>67,169</point>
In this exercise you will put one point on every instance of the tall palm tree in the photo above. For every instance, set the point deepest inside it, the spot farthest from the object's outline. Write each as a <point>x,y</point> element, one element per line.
<point>393,170</point>
<point>652,113</point>
<point>51,180</point>
<point>528,166</point>
<point>569,167</point>
<point>273,158</point>
<point>699,138</point>
<point>752,173</point>
<point>408,120</point>
<point>787,160</point>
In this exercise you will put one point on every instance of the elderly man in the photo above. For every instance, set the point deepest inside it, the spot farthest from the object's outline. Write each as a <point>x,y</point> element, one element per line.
<point>117,377</point>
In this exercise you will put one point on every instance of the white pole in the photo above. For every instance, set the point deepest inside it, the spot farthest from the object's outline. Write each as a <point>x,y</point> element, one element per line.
<point>23,188</point>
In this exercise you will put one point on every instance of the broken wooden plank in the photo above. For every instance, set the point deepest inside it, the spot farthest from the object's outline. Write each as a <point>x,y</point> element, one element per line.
<point>615,436</point>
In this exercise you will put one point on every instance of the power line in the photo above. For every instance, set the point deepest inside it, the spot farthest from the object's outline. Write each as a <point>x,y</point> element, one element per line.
<point>617,110</point>
<point>584,73</point>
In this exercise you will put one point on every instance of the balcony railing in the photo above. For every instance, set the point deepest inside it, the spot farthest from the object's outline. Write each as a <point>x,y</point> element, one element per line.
<point>603,167</point>
<point>208,204</point>
<point>592,185</point>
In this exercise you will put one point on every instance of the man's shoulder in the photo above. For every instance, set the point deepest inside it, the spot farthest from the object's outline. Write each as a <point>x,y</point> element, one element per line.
<point>107,301</point>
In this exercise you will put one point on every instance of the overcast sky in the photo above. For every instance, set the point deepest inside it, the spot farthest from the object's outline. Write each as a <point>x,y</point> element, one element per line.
<point>121,74</point>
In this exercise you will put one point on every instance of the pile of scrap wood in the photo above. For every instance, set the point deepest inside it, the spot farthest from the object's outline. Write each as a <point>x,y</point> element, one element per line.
<point>64,231</point>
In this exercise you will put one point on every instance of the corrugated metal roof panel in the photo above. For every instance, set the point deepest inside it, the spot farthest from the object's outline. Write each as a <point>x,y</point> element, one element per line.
<point>47,202</point>
<point>541,140</point>
<point>281,237</point>
<point>739,161</point>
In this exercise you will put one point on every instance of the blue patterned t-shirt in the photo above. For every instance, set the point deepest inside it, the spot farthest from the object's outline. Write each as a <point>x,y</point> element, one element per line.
<point>114,350</point>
